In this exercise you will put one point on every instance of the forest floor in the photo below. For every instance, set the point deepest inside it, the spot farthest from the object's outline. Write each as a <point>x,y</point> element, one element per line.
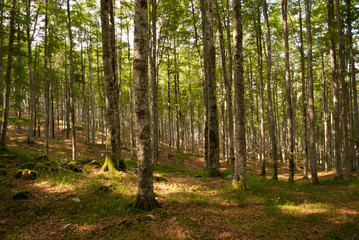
<point>63,204</point>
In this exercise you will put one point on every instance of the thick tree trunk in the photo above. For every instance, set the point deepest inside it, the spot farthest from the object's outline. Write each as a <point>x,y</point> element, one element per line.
<point>335,84</point>
<point>113,162</point>
<point>210,73</point>
<point>239,178</point>
<point>72,99</point>
<point>6,104</point>
<point>272,127</point>
<point>288,94</point>
<point>344,92</point>
<point>145,195</point>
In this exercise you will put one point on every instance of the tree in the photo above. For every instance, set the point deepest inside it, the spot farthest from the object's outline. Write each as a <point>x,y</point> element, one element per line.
<point>46,84</point>
<point>288,93</point>
<point>145,195</point>
<point>210,78</point>
<point>113,162</point>
<point>72,100</point>
<point>312,157</point>
<point>6,106</point>
<point>272,125</point>
<point>239,101</point>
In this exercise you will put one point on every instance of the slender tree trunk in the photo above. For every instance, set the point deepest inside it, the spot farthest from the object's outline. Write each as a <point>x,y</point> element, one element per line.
<point>169,107</point>
<point>46,86</point>
<point>89,55</point>
<point>327,142</point>
<point>191,107</point>
<point>130,89</point>
<point>72,99</point>
<point>304,98</point>
<point>335,84</point>
<point>239,178</point>
<point>312,140</point>
<point>353,81</point>
<point>261,92</point>
<point>154,84</point>
<point>345,95</point>
<point>145,196</point>
<point>272,126</point>
<point>288,94</point>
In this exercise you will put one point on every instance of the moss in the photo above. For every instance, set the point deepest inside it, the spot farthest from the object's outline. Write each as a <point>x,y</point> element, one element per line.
<point>74,166</point>
<point>45,167</point>
<point>89,167</point>
<point>2,166</point>
<point>160,177</point>
<point>18,173</point>
<point>3,172</point>
<point>195,188</point>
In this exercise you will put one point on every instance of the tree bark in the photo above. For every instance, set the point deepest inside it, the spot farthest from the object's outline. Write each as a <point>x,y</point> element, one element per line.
<point>113,161</point>
<point>288,94</point>
<point>239,178</point>
<point>335,84</point>
<point>145,195</point>
<point>272,126</point>
<point>6,104</point>
<point>312,140</point>
<point>72,99</point>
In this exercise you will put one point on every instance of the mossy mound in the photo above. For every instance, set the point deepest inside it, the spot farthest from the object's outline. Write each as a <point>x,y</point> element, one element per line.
<point>2,166</point>
<point>74,166</point>
<point>28,165</point>
<point>28,174</point>
<point>3,172</point>
<point>89,168</point>
<point>160,177</point>
<point>22,195</point>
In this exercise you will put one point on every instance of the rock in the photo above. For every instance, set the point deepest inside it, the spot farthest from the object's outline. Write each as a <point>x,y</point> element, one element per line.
<point>28,165</point>
<point>46,167</point>
<point>77,200</point>
<point>95,163</point>
<point>29,174</point>
<point>3,172</point>
<point>160,177</point>
<point>150,217</point>
<point>68,227</point>
<point>22,195</point>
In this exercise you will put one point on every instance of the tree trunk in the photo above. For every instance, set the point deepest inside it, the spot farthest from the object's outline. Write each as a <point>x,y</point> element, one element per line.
<point>72,99</point>
<point>210,73</point>
<point>6,105</point>
<point>145,195</point>
<point>169,107</point>
<point>130,93</point>
<point>345,95</point>
<point>336,128</point>
<point>239,178</point>
<point>272,126</point>
<point>288,93</point>
<point>154,84</point>
<point>113,161</point>
<point>353,80</point>
<point>312,140</point>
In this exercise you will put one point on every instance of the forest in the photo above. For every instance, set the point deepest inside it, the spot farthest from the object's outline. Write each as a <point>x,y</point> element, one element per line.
<point>179,119</point>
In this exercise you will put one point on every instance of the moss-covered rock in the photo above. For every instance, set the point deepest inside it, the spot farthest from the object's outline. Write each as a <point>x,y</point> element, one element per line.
<point>18,173</point>
<point>95,163</point>
<point>89,168</point>
<point>24,194</point>
<point>28,165</point>
<point>3,172</point>
<point>2,166</point>
<point>74,166</point>
<point>160,177</point>
<point>28,174</point>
